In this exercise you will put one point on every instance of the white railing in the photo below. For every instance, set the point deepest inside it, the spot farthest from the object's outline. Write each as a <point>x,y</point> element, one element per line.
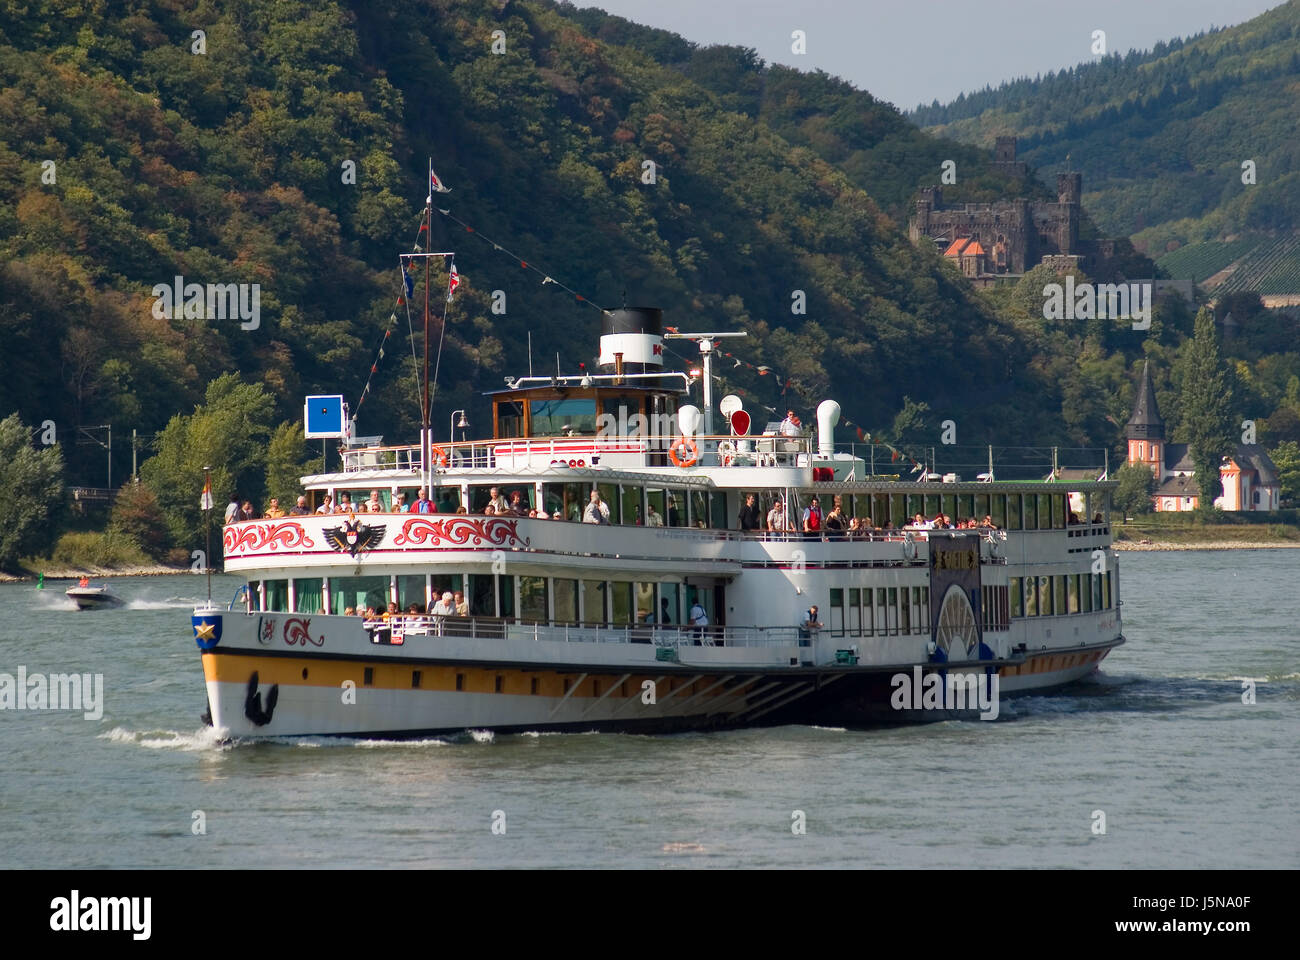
<point>665,635</point>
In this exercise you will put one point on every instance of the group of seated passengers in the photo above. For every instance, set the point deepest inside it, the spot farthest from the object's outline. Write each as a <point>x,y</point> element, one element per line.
<point>835,525</point>
<point>450,604</point>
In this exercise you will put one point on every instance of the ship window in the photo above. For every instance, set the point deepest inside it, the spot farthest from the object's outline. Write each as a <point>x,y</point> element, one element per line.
<point>569,416</point>
<point>415,679</point>
<point>981,506</point>
<point>897,509</point>
<point>1044,511</point>
<point>1072,591</point>
<point>921,620</point>
<point>1030,512</point>
<point>1058,511</point>
<point>277,595</point>
<point>1013,511</point>
<point>1058,594</point>
<point>718,511</point>
<point>532,686</point>
<point>868,620</point>
<point>998,509</point>
<point>410,589</point>
<point>568,499</point>
<point>358,593</point>
<point>668,603</point>
<point>698,501</point>
<point>904,611</point>
<point>368,677</point>
<point>307,596</point>
<point>915,504</point>
<point>656,514</point>
<point>855,612</point>
<point>1044,596</point>
<point>442,582</point>
<point>510,418</point>
<point>645,603</point>
<point>446,497</point>
<point>500,684</point>
<point>1031,597</point>
<point>506,595</point>
<point>1105,588</point>
<point>1085,592</point>
<point>593,601</point>
<point>630,501</point>
<point>882,627</point>
<point>879,509</point>
<point>460,681</point>
<point>932,505</point>
<point>566,600</point>
<point>621,595</point>
<point>837,611</point>
<point>482,595</point>
<point>949,501</point>
<point>965,506</point>
<point>532,599</point>
<point>1015,597</point>
<point>676,513</point>
<point>893,611</point>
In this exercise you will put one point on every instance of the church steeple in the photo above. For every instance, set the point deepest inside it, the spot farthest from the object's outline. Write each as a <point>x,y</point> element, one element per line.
<point>1145,430</point>
<point>1146,423</point>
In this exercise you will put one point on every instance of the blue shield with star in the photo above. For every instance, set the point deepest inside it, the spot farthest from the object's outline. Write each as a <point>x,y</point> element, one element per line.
<point>207,629</point>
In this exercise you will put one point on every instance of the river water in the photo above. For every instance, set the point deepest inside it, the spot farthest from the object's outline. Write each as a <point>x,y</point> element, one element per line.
<point>1160,744</point>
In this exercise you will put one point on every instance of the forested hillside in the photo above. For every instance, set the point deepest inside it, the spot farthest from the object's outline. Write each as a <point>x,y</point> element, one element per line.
<point>128,156</point>
<point>1161,135</point>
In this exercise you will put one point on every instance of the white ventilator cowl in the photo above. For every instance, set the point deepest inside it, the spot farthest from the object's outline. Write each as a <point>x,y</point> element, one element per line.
<point>688,419</point>
<point>828,414</point>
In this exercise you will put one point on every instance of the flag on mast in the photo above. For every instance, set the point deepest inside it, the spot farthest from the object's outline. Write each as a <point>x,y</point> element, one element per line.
<point>436,185</point>
<point>453,281</point>
<point>205,502</point>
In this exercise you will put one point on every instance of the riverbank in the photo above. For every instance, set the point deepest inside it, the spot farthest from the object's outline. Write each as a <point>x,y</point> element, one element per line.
<point>1145,544</point>
<point>1204,536</point>
<point>96,573</point>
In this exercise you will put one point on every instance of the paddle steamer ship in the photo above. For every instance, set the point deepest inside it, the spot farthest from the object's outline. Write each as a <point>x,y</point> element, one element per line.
<point>574,625</point>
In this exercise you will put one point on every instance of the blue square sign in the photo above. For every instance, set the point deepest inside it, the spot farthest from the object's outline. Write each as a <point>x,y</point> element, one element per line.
<point>324,417</point>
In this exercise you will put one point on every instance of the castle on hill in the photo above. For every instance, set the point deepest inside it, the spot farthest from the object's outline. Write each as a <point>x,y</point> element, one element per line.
<point>1004,238</point>
<point>1250,480</point>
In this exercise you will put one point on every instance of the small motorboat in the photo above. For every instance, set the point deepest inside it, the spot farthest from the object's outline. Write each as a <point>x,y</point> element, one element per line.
<point>87,597</point>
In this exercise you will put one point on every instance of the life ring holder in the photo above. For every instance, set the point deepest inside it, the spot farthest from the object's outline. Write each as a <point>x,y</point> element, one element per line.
<point>692,452</point>
<point>995,544</point>
<point>726,453</point>
<point>439,455</point>
<point>909,546</point>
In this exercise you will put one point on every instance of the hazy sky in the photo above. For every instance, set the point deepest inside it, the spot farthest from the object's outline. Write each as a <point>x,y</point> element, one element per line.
<point>914,51</point>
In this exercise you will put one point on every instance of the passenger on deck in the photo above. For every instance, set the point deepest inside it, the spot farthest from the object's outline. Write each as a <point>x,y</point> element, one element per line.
<point>751,517</point>
<point>835,523</point>
<point>809,624</point>
<point>489,511</point>
<point>413,610</point>
<point>517,505</point>
<point>349,611</point>
<point>653,517</point>
<point>597,510</point>
<point>461,604</point>
<point>246,512</point>
<point>345,503</point>
<point>326,505</point>
<point>273,512</point>
<point>232,509</point>
<point>399,503</point>
<point>422,503</point>
<point>812,520</point>
<point>790,426</point>
<point>498,503</point>
<point>988,522</point>
<point>374,504</point>
<point>392,611</point>
<point>300,508</point>
<point>776,522</point>
<point>445,607</point>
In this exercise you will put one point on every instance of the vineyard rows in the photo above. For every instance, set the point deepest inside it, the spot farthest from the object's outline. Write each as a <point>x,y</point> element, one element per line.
<point>1199,261</point>
<point>1271,268</point>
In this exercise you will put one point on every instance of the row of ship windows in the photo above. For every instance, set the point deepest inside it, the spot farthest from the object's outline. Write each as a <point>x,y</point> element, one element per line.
<point>536,599</point>
<point>890,611</point>
<point>1060,594</point>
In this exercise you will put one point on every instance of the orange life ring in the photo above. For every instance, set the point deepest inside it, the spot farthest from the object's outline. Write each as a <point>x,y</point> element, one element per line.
<point>691,456</point>
<point>439,455</point>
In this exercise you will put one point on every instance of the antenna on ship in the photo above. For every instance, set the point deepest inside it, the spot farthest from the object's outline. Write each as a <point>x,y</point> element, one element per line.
<point>705,340</point>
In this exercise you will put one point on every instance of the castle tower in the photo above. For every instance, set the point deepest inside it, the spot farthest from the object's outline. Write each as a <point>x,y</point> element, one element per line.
<point>1145,430</point>
<point>1004,150</point>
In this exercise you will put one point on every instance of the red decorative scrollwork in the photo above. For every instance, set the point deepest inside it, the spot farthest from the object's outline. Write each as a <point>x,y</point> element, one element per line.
<point>296,631</point>
<point>461,531</point>
<point>259,536</point>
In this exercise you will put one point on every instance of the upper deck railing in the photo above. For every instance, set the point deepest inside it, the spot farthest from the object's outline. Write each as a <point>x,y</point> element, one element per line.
<point>582,450</point>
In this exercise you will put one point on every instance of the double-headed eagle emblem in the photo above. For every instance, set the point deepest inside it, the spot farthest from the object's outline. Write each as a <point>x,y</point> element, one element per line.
<point>353,536</point>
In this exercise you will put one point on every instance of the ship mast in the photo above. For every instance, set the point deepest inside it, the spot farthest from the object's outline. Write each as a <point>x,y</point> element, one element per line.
<point>705,340</point>
<point>425,412</point>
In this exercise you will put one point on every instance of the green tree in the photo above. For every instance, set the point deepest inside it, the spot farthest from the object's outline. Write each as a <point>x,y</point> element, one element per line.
<point>1286,457</point>
<point>136,515</point>
<point>31,491</point>
<point>911,423</point>
<point>286,463</point>
<point>1206,401</point>
<point>229,432</point>
<point>1137,485</point>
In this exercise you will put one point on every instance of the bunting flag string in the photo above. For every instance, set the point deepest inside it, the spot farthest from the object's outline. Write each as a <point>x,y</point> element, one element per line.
<point>523,263</point>
<point>406,291</point>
